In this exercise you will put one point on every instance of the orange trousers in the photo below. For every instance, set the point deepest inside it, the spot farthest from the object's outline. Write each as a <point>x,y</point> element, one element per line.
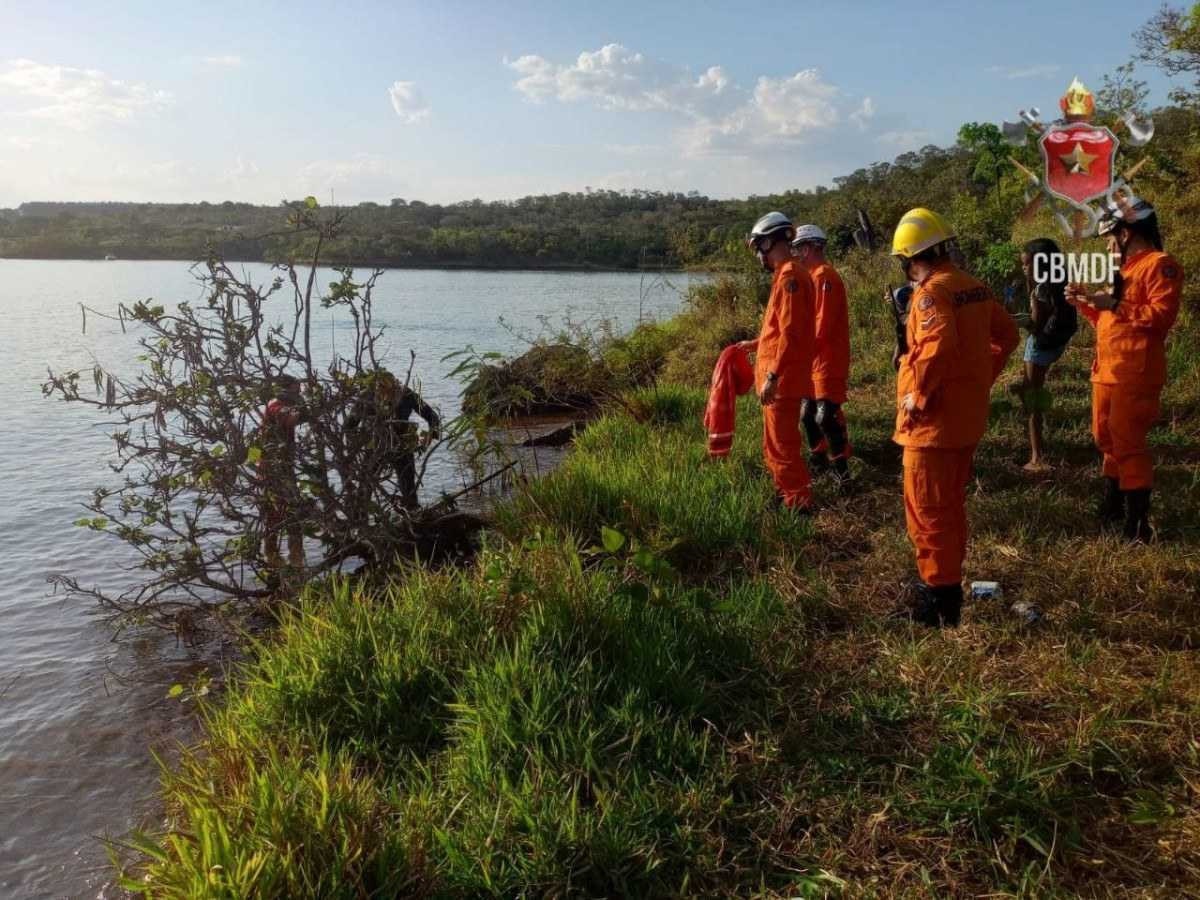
<point>783,450</point>
<point>935,508</point>
<point>1122,416</point>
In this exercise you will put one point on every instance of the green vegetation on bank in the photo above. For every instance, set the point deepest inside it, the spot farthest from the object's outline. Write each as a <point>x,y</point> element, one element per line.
<point>650,684</point>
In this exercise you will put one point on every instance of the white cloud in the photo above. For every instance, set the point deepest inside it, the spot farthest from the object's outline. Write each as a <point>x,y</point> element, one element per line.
<point>1041,70</point>
<point>242,170</point>
<point>717,115</point>
<point>77,98</point>
<point>408,102</point>
<point>779,112</point>
<point>615,77</point>
<point>864,113</point>
<point>792,106</point>
<point>231,61</point>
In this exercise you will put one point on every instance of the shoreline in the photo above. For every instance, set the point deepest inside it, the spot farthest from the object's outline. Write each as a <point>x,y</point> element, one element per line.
<point>386,266</point>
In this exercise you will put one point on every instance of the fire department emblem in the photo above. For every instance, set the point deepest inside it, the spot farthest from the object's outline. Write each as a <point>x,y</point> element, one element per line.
<point>1079,160</point>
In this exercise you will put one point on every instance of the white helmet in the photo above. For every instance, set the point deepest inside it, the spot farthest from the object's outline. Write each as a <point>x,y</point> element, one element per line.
<point>1116,212</point>
<point>806,234</point>
<point>773,224</point>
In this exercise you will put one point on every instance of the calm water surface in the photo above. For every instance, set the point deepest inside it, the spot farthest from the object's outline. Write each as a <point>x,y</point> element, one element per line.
<point>79,710</point>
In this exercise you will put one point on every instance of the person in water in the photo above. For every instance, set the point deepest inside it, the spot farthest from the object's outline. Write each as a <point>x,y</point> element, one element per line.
<point>280,504</point>
<point>385,412</point>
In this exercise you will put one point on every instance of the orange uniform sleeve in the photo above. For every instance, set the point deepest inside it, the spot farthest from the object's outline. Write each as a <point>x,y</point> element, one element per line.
<point>1163,287</point>
<point>933,339</point>
<point>822,314</point>
<point>1005,338</point>
<point>796,336</point>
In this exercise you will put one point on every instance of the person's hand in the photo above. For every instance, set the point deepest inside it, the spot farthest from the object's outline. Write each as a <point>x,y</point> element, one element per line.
<point>887,296</point>
<point>1101,300</point>
<point>767,396</point>
<point>1077,295</point>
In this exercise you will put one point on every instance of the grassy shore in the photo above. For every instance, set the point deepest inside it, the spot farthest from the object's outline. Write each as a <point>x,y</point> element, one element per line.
<point>650,684</point>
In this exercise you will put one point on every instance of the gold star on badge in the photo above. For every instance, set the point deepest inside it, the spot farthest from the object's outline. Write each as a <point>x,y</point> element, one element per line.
<point>1077,161</point>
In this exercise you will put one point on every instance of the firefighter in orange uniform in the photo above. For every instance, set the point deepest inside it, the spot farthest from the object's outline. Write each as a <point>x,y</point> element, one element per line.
<point>822,416</point>
<point>1130,368</point>
<point>959,339</point>
<point>784,358</point>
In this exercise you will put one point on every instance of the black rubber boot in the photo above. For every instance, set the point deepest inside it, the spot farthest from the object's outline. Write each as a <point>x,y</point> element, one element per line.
<point>923,609</point>
<point>1112,504</point>
<point>948,601</point>
<point>818,463</point>
<point>1137,516</point>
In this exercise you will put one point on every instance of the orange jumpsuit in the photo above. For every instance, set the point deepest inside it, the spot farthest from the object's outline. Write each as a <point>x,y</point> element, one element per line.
<point>1131,365</point>
<point>822,416</point>
<point>959,339</point>
<point>831,363</point>
<point>785,347</point>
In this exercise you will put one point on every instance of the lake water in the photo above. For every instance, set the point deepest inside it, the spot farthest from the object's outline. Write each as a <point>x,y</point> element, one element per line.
<point>80,711</point>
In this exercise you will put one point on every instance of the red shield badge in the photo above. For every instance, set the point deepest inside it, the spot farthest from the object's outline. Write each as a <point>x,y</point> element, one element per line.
<point>1079,161</point>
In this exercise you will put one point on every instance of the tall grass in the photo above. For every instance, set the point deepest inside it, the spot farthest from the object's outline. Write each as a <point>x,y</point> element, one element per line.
<point>658,485</point>
<point>651,684</point>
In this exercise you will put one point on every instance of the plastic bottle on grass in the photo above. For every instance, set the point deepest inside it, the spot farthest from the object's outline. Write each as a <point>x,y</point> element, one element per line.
<point>986,590</point>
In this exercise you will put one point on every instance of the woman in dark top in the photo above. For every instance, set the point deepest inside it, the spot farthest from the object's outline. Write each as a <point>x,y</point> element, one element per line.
<point>1052,323</point>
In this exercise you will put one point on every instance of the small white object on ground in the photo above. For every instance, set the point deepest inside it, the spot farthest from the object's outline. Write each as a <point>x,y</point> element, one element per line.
<point>986,590</point>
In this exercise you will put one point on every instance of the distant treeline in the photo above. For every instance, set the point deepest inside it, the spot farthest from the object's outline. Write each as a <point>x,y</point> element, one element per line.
<point>971,182</point>
<point>601,229</point>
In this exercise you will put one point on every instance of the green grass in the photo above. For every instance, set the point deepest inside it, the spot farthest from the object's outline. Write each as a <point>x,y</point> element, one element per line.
<point>650,684</point>
<point>653,481</point>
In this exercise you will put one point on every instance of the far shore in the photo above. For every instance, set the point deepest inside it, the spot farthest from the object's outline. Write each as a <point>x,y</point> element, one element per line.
<point>378,264</point>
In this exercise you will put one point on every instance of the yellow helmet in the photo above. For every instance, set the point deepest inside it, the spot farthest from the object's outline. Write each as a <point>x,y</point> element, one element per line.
<point>919,229</point>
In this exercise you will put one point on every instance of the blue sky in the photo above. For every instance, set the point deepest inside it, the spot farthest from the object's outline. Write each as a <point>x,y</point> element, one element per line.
<point>450,101</point>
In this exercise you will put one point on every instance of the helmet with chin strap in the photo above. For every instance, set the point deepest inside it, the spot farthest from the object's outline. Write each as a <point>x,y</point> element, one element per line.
<point>1118,213</point>
<point>767,231</point>
<point>1131,216</point>
<point>774,225</point>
